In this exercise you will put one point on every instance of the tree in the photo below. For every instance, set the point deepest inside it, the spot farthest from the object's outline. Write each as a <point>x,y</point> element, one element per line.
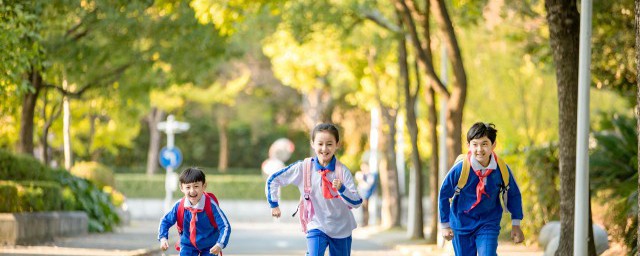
<point>564,31</point>
<point>414,19</point>
<point>637,23</point>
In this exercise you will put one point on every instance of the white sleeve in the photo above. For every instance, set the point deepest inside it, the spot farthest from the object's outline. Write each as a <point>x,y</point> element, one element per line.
<point>348,192</point>
<point>291,174</point>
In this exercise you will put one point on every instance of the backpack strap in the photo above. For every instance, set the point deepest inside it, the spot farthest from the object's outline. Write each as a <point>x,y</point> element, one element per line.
<point>504,171</point>
<point>306,173</point>
<point>464,174</point>
<point>180,216</point>
<point>339,170</point>
<point>209,209</point>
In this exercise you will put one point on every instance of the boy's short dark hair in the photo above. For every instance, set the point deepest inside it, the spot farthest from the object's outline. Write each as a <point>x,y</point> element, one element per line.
<point>480,129</point>
<point>331,128</point>
<point>191,175</point>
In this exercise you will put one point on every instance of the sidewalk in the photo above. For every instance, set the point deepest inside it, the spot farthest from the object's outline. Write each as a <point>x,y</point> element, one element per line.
<point>252,220</point>
<point>131,240</point>
<point>397,240</point>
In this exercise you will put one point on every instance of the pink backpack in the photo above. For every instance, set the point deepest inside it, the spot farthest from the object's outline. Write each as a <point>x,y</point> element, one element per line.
<point>306,206</point>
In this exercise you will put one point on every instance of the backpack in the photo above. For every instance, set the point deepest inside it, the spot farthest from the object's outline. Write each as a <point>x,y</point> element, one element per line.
<point>207,209</point>
<point>305,205</point>
<point>464,177</point>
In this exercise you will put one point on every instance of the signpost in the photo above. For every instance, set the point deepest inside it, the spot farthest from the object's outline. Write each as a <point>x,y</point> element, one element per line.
<point>170,156</point>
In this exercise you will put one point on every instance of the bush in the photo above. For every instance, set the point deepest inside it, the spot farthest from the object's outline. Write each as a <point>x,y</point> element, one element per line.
<point>8,196</point>
<point>99,174</point>
<point>38,196</point>
<point>21,167</point>
<point>30,196</point>
<point>90,199</point>
<point>244,187</point>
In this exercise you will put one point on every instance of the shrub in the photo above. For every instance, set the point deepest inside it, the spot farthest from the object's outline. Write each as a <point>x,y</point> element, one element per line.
<point>30,196</point>
<point>8,196</point>
<point>35,187</point>
<point>21,167</point>
<point>244,187</point>
<point>38,196</point>
<point>99,174</point>
<point>90,199</point>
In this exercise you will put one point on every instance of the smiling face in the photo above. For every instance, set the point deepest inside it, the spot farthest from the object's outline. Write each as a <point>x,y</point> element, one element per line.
<point>193,191</point>
<point>481,149</point>
<point>324,144</point>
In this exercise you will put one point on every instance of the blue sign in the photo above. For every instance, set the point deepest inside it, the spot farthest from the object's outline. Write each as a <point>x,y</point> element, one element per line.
<point>170,157</point>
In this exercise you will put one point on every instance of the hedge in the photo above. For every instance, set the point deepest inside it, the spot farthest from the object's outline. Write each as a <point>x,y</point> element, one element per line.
<point>31,186</point>
<point>30,196</point>
<point>244,187</point>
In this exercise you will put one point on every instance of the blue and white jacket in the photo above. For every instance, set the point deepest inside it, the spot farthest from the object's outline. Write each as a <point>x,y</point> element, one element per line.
<point>332,216</point>
<point>488,213</point>
<point>206,235</point>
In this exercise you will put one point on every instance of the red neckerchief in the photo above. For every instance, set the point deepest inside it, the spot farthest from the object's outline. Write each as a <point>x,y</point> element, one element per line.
<point>480,187</point>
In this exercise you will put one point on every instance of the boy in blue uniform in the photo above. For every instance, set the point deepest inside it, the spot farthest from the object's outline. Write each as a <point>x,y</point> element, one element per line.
<point>472,217</point>
<point>208,233</point>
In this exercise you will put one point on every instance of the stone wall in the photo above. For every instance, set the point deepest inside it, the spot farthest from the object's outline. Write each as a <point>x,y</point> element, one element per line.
<point>37,227</point>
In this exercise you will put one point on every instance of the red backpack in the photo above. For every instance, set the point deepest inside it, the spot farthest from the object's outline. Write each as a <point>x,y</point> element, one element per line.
<point>207,209</point>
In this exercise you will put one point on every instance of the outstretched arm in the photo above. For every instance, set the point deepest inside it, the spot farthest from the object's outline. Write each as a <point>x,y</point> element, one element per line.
<point>291,174</point>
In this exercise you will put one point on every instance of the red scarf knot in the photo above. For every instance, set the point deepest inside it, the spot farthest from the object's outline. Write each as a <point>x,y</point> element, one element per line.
<point>480,187</point>
<point>327,186</point>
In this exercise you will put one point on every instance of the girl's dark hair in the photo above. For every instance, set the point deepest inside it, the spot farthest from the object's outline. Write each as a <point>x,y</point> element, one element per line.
<point>191,175</point>
<point>480,129</point>
<point>331,128</point>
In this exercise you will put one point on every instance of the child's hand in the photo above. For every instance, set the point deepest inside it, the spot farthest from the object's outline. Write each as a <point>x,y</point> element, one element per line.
<point>215,250</point>
<point>447,233</point>
<point>337,184</point>
<point>516,234</point>
<point>275,212</point>
<point>164,245</point>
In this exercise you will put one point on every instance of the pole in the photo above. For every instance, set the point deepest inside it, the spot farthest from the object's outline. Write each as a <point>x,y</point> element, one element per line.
<point>373,161</point>
<point>581,226</point>
<point>442,165</point>
<point>400,153</point>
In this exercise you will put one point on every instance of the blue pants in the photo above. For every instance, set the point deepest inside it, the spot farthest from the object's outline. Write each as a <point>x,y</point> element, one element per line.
<point>317,243</point>
<point>189,251</point>
<point>483,242</point>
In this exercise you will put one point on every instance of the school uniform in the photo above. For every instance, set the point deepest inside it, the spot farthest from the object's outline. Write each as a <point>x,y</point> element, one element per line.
<point>476,224</point>
<point>333,222</point>
<point>206,236</point>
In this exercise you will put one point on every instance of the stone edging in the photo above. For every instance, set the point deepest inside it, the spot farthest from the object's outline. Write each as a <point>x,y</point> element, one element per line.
<point>37,227</point>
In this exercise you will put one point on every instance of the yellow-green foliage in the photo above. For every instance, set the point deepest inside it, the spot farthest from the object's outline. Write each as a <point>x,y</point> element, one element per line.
<point>99,174</point>
<point>116,197</point>
<point>30,196</point>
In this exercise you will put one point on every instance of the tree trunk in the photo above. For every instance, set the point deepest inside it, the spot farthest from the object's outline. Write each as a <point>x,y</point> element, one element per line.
<point>415,192</point>
<point>391,204</point>
<point>456,101</point>
<point>28,110</point>
<point>155,116</point>
<point>66,132</point>
<point>92,132</point>
<point>637,14</point>
<point>456,96</point>
<point>564,29</point>
<point>433,165</point>
<point>223,156</point>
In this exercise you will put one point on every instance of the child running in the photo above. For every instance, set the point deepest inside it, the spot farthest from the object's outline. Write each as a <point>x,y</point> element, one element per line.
<point>470,208</point>
<point>327,195</point>
<point>207,233</point>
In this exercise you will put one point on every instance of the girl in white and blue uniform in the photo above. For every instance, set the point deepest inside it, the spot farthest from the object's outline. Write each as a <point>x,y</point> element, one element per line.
<point>332,224</point>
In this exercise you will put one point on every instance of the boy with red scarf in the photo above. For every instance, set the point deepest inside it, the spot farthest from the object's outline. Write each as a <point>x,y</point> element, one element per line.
<point>471,217</point>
